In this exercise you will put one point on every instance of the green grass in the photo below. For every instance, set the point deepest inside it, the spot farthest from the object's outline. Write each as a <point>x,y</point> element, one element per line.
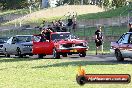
<point>108,14</point>
<point>17,11</point>
<point>49,73</point>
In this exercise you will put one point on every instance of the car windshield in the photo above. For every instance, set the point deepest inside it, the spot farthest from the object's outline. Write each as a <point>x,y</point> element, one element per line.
<point>62,36</point>
<point>3,40</point>
<point>24,38</point>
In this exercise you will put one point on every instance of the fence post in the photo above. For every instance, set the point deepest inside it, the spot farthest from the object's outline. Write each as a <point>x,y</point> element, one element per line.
<point>84,30</point>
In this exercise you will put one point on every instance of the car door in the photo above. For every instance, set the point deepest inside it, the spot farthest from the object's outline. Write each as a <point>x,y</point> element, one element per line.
<point>7,47</point>
<point>13,45</point>
<point>124,44</point>
<point>42,47</point>
<point>130,46</point>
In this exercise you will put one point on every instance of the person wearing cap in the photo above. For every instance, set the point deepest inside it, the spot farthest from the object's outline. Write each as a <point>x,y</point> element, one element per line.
<point>130,26</point>
<point>98,38</point>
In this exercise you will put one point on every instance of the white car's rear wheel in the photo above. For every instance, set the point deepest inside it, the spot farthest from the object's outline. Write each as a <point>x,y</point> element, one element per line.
<point>19,53</point>
<point>6,54</point>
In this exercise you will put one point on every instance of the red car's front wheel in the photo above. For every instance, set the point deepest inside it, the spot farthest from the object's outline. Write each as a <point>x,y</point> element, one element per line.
<point>83,54</point>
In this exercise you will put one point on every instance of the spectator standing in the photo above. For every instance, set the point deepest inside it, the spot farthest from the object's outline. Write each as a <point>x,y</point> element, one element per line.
<point>74,20</point>
<point>99,39</point>
<point>70,23</point>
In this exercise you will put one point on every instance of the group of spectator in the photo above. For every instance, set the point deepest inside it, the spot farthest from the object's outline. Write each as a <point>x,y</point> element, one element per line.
<point>60,26</point>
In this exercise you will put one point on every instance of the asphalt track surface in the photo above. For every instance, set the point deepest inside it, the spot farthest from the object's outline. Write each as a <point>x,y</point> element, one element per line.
<point>99,58</point>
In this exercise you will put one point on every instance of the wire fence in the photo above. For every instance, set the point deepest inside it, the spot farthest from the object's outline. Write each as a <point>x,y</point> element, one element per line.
<point>112,29</point>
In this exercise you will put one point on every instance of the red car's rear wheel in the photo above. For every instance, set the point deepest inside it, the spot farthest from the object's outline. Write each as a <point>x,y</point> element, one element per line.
<point>56,55</point>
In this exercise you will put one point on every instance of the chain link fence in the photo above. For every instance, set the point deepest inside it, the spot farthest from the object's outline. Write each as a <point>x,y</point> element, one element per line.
<point>112,29</point>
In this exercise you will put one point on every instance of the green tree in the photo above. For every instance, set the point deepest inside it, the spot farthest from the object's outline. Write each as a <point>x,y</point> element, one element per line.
<point>12,4</point>
<point>118,3</point>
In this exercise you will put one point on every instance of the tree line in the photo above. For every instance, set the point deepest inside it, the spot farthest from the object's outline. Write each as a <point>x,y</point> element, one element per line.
<point>102,3</point>
<point>18,4</point>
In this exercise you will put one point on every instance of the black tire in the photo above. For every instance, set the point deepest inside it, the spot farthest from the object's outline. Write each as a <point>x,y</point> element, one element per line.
<point>80,80</point>
<point>119,55</point>
<point>40,56</point>
<point>83,54</point>
<point>64,55</point>
<point>56,55</point>
<point>6,54</point>
<point>19,53</point>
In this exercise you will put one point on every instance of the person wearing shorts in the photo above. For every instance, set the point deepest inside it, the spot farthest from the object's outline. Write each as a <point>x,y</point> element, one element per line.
<point>98,38</point>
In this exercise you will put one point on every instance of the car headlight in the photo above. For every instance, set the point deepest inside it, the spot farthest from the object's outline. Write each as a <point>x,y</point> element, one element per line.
<point>60,46</point>
<point>85,44</point>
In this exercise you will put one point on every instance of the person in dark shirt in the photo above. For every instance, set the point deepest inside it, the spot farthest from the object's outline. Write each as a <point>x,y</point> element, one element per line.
<point>130,26</point>
<point>98,38</point>
<point>47,34</point>
<point>42,35</point>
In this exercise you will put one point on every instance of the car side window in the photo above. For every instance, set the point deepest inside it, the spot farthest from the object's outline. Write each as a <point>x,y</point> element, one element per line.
<point>39,39</point>
<point>124,39</point>
<point>10,40</point>
<point>14,40</point>
<point>36,38</point>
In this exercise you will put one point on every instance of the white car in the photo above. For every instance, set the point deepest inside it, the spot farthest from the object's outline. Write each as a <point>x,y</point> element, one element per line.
<point>19,45</point>
<point>123,47</point>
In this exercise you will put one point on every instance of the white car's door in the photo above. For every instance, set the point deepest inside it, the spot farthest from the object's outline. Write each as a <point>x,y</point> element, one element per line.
<point>13,46</point>
<point>130,46</point>
<point>7,47</point>
<point>123,45</point>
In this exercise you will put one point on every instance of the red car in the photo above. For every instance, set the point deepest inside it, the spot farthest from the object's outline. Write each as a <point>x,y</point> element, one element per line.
<point>60,43</point>
<point>123,47</point>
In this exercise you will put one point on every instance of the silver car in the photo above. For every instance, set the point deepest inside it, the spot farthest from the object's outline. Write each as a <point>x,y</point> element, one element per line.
<point>19,45</point>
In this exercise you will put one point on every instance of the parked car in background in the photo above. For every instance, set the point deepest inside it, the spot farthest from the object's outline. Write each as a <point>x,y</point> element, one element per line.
<point>2,41</point>
<point>60,43</point>
<point>123,47</point>
<point>19,45</point>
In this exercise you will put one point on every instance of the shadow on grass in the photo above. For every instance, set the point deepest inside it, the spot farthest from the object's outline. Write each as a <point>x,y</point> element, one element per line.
<point>16,59</point>
<point>84,63</point>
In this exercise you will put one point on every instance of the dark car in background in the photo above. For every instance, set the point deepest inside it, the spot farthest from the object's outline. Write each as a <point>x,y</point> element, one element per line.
<point>2,41</point>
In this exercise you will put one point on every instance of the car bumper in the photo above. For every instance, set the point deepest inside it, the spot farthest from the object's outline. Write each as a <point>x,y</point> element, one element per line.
<point>27,51</point>
<point>1,51</point>
<point>112,51</point>
<point>72,50</point>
